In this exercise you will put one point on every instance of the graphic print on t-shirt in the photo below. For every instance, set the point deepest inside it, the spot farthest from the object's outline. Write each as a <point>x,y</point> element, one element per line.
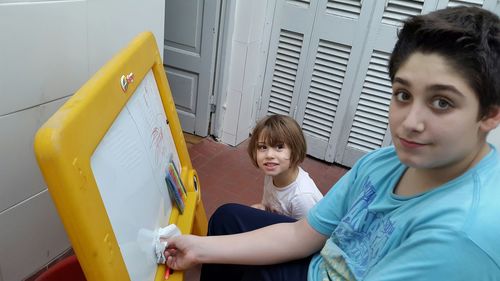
<point>362,234</point>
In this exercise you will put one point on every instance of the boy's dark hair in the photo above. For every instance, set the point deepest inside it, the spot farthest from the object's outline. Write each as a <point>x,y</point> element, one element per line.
<point>279,129</point>
<point>469,40</point>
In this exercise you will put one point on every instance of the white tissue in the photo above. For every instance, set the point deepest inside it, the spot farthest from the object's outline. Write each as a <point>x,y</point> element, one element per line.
<point>160,246</point>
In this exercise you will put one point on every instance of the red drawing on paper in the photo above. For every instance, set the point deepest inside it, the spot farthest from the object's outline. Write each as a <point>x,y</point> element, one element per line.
<point>157,141</point>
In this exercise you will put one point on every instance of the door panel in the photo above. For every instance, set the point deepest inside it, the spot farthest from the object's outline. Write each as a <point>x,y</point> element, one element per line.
<point>185,85</point>
<point>189,59</point>
<point>309,79</point>
<point>289,42</point>
<point>333,58</point>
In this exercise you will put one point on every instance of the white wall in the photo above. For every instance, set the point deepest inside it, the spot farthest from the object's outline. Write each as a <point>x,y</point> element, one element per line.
<point>250,22</point>
<point>48,49</point>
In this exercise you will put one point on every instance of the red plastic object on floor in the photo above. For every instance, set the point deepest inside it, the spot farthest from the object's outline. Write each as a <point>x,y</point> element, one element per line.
<point>64,270</point>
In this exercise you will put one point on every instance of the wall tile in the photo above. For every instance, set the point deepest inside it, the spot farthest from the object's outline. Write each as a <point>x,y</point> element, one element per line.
<point>23,246</point>
<point>20,174</point>
<point>44,55</point>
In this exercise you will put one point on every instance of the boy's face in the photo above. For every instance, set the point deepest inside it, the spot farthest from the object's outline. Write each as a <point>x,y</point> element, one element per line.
<point>433,115</point>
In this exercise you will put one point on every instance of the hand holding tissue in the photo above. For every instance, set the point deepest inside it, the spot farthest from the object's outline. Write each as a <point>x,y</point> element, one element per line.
<point>161,244</point>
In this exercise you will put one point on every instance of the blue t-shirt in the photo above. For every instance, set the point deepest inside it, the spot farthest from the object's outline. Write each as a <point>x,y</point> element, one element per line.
<point>448,233</point>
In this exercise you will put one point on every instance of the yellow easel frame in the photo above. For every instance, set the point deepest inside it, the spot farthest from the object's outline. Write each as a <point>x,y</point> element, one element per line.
<point>64,146</point>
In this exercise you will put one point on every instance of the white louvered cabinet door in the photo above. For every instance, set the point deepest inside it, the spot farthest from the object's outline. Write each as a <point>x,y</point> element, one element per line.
<point>334,53</point>
<point>366,124</point>
<point>486,4</point>
<point>288,46</point>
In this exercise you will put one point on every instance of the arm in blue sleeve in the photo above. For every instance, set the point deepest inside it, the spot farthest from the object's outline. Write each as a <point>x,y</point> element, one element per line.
<point>327,213</point>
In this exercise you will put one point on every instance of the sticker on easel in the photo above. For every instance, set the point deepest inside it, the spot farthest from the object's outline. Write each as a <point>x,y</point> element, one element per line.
<point>125,80</point>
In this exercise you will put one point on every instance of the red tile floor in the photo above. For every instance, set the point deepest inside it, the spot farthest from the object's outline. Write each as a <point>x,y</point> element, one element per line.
<point>227,175</point>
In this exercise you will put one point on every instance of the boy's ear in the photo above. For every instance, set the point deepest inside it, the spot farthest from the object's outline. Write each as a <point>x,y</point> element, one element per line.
<point>492,119</point>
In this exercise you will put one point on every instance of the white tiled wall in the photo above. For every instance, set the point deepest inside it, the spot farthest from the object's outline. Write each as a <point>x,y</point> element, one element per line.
<point>113,23</point>
<point>25,246</point>
<point>28,220</point>
<point>48,49</point>
<point>244,73</point>
<point>41,59</point>
<point>19,172</point>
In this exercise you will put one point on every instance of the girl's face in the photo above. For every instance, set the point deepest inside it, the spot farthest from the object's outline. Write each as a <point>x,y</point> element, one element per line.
<point>274,161</point>
<point>434,116</point>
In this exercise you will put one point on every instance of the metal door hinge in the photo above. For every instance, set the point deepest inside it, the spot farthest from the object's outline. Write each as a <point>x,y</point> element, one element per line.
<point>213,106</point>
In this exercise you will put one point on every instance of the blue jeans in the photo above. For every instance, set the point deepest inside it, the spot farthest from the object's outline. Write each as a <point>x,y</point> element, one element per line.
<point>235,218</point>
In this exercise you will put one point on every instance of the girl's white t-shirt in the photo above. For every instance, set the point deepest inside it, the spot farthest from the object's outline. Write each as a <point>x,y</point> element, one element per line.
<point>293,200</point>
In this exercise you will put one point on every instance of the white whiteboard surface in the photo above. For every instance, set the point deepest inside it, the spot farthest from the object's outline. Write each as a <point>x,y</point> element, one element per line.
<point>129,166</point>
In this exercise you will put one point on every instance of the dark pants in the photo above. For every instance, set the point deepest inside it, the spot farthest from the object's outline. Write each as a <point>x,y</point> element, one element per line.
<point>235,218</point>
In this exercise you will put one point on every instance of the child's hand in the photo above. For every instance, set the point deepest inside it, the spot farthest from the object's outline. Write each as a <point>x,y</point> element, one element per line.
<point>181,252</point>
<point>259,206</point>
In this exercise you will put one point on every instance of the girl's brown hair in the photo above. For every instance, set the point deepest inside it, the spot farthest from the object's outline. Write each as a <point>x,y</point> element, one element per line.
<point>279,129</point>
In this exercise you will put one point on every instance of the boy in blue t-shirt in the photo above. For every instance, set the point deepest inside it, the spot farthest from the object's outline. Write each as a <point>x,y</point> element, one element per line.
<point>423,209</point>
